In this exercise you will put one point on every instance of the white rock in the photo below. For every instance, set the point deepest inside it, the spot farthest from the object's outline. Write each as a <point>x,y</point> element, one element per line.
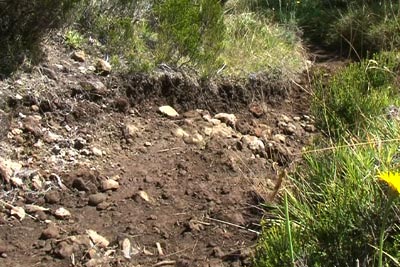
<point>229,119</point>
<point>253,143</point>
<point>62,213</point>
<point>285,118</point>
<point>280,138</point>
<point>168,111</point>
<point>179,132</point>
<point>97,239</point>
<point>195,138</point>
<point>126,248</point>
<point>109,185</point>
<point>144,196</point>
<point>131,130</point>
<point>97,152</point>
<point>222,130</point>
<point>18,212</point>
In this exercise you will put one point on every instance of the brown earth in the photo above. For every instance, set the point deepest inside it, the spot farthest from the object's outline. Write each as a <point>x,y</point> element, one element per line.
<point>162,191</point>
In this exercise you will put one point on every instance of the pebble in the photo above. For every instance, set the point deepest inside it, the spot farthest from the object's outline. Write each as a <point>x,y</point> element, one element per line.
<point>52,197</point>
<point>64,250</point>
<point>103,67</point>
<point>96,199</point>
<point>229,119</point>
<point>310,128</point>
<point>52,231</point>
<point>279,138</point>
<point>168,111</point>
<point>79,56</point>
<point>109,184</point>
<point>97,152</point>
<point>79,184</point>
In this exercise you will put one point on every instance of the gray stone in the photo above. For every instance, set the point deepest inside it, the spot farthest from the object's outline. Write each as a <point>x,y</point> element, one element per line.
<point>96,199</point>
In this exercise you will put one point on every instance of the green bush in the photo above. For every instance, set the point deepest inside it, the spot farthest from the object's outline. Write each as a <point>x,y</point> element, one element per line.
<point>22,25</point>
<point>337,206</point>
<point>357,27</point>
<point>190,31</point>
<point>356,94</point>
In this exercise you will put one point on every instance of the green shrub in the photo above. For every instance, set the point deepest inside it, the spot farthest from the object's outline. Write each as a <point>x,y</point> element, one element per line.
<point>336,206</point>
<point>358,27</point>
<point>255,45</point>
<point>356,94</point>
<point>22,25</point>
<point>190,31</point>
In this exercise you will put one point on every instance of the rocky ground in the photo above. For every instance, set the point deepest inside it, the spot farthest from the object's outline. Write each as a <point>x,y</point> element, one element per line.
<point>99,169</point>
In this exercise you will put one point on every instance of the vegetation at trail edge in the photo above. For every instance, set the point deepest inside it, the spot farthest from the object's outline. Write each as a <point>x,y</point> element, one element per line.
<point>338,209</point>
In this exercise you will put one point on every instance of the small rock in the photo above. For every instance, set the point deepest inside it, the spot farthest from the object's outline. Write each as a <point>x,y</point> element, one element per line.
<point>121,104</point>
<point>253,143</point>
<point>80,185</point>
<point>290,128</point>
<point>79,56</point>
<point>32,125</point>
<point>18,212</point>
<point>52,197</point>
<point>50,137</point>
<point>193,139</point>
<point>109,184</point>
<point>97,152</point>
<point>285,118</point>
<point>217,252</point>
<point>35,108</point>
<point>96,199</point>
<point>131,131</point>
<point>148,144</point>
<point>296,118</point>
<point>310,128</point>
<point>49,73</point>
<point>95,262</point>
<point>222,130</point>
<point>94,86</point>
<point>143,195</point>
<point>103,205</point>
<point>52,231</point>
<point>256,109</point>
<point>168,111</point>
<point>103,67</point>
<point>97,239</point>
<point>179,132</point>
<point>279,138</point>
<point>126,248</point>
<point>62,213</point>
<point>64,250</point>
<point>8,168</point>
<point>229,119</point>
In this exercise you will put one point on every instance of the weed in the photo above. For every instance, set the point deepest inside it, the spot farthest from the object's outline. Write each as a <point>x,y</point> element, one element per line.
<point>359,92</point>
<point>74,39</point>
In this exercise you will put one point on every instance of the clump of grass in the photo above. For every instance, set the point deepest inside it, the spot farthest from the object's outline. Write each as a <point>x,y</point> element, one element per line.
<point>336,206</point>
<point>254,44</point>
<point>356,94</point>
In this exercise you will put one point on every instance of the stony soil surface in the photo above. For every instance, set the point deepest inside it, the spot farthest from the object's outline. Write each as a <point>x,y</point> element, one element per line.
<point>95,173</point>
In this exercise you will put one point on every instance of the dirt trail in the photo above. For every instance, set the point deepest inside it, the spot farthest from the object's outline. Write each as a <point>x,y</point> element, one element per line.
<point>160,190</point>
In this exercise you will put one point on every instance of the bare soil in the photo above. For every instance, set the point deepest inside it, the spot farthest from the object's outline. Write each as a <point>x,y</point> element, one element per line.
<point>164,191</point>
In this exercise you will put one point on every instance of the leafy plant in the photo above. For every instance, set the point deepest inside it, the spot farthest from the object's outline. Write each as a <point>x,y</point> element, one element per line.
<point>74,39</point>
<point>358,93</point>
<point>190,32</point>
<point>24,23</point>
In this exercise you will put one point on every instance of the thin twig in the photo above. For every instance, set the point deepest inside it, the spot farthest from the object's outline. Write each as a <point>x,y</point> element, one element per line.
<point>163,263</point>
<point>234,225</point>
<point>168,149</point>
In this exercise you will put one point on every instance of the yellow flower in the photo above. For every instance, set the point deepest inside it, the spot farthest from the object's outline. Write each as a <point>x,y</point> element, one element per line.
<point>392,179</point>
